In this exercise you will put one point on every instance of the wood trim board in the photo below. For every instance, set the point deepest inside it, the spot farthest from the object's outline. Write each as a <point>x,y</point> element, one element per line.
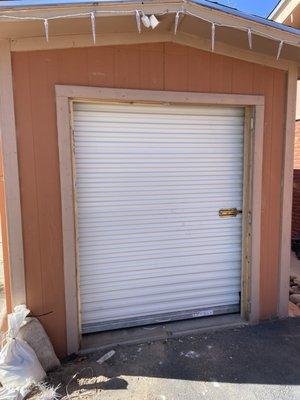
<point>287,193</point>
<point>65,96</point>
<point>12,205</point>
<point>84,40</point>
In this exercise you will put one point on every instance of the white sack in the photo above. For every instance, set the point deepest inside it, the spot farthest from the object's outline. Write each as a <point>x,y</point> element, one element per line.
<point>10,394</point>
<point>34,334</point>
<point>19,366</point>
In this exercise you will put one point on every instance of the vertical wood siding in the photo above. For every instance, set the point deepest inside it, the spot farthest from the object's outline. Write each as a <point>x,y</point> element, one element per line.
<point>148,66</point>
<point>296,185</point>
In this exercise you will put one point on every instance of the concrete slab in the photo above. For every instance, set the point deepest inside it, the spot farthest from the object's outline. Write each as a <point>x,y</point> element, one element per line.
<point>103,340</point>
<point>250,363</point>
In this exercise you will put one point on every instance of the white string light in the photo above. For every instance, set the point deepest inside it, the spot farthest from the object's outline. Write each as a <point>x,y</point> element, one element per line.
<point>213,36</point>
<point>241,28</point>
<point>176,22</point>
<point>46,27</point>
<point>250,38</point>
<point>146,21</point>
<point>93,22</point>
<point>279,49</point>
<point>138,21</point>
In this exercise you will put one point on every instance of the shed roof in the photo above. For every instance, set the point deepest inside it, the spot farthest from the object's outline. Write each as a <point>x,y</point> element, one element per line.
<point>31,4</point>
<point>23,22</point>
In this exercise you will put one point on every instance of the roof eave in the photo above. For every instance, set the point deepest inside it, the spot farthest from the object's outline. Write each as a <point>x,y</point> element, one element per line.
<point>17,5</point>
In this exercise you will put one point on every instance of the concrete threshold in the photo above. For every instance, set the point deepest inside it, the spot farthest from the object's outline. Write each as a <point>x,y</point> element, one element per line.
<point>143,334</point>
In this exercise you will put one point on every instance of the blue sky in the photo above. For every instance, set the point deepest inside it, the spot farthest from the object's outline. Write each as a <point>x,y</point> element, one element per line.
<point>257,7</point>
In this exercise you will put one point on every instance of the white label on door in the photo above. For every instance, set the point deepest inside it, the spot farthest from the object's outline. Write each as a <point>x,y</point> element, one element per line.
<point>204,313</point>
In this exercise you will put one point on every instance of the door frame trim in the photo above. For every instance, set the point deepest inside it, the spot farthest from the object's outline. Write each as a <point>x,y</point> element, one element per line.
<point>254,106</point>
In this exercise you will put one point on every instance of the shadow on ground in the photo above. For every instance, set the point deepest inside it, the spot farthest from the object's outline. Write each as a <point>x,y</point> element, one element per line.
<point>267,354</point>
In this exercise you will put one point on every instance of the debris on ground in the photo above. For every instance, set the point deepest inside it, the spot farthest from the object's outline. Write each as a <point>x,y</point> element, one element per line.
<point>294,303</point>
<point>106,357</point>
<point>294,310</point>
<point>190,354</point>
<point>230,369</point>
<point>47,392</point>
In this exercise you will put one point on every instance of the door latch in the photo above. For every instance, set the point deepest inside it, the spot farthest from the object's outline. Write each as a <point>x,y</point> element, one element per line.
<point>229,212</point>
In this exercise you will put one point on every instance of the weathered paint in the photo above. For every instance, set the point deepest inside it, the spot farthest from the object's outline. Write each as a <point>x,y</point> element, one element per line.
<point>148,66</point>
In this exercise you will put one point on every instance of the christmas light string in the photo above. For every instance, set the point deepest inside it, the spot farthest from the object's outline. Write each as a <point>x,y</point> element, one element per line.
<point>152,21</point>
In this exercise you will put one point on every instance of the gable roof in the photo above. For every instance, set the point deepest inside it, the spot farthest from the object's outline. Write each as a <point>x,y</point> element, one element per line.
<point>214,5</point>
<point>23,23</point>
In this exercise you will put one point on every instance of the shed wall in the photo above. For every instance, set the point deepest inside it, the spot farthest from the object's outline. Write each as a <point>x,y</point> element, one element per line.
<point>296,184</point>
<point>162,66</point>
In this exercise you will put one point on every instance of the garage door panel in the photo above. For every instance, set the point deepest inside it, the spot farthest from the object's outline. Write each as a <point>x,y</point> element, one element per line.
<point>134,153</point>
<point>137,221</point>
<point>135,174</point>
<point>150,181</point>
<point>156,293</point>
<point>159,308</point>
<point>213,262</point>
<point>169,269</point>
<point>100,285</point>
<point>207,253</point>
<point>161,252</point>
<point>162,207</point>
<point>158,234</point>
<point>140,230</point>
<point>155,299</point>
<point>155,244</point>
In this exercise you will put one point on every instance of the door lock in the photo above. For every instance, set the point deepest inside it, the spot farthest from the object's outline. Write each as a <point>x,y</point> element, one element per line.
<point>229,212</point>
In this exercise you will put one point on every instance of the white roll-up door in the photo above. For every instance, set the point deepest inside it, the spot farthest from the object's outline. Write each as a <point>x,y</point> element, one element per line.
<point>150,181</point>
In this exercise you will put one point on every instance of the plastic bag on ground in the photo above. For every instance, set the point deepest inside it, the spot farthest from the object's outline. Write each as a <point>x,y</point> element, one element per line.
<point>14,394</point>
<point>19,365</point>
<point>10,394</point>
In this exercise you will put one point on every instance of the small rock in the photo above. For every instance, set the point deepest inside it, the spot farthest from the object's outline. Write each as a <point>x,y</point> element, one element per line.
<point>297,281</point>
<point>190,354</point>
<point>295,289</point>
<point>295,298</point>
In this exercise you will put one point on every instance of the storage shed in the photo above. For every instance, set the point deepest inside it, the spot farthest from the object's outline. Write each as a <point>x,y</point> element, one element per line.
<point>148,163</point>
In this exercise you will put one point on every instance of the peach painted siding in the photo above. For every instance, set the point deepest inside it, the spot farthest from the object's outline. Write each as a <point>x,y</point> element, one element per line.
<point>150,66</point>
<point>296,186</point>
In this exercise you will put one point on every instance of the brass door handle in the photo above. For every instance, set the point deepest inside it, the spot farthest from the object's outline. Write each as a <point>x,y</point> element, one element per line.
<point>229,212</point>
